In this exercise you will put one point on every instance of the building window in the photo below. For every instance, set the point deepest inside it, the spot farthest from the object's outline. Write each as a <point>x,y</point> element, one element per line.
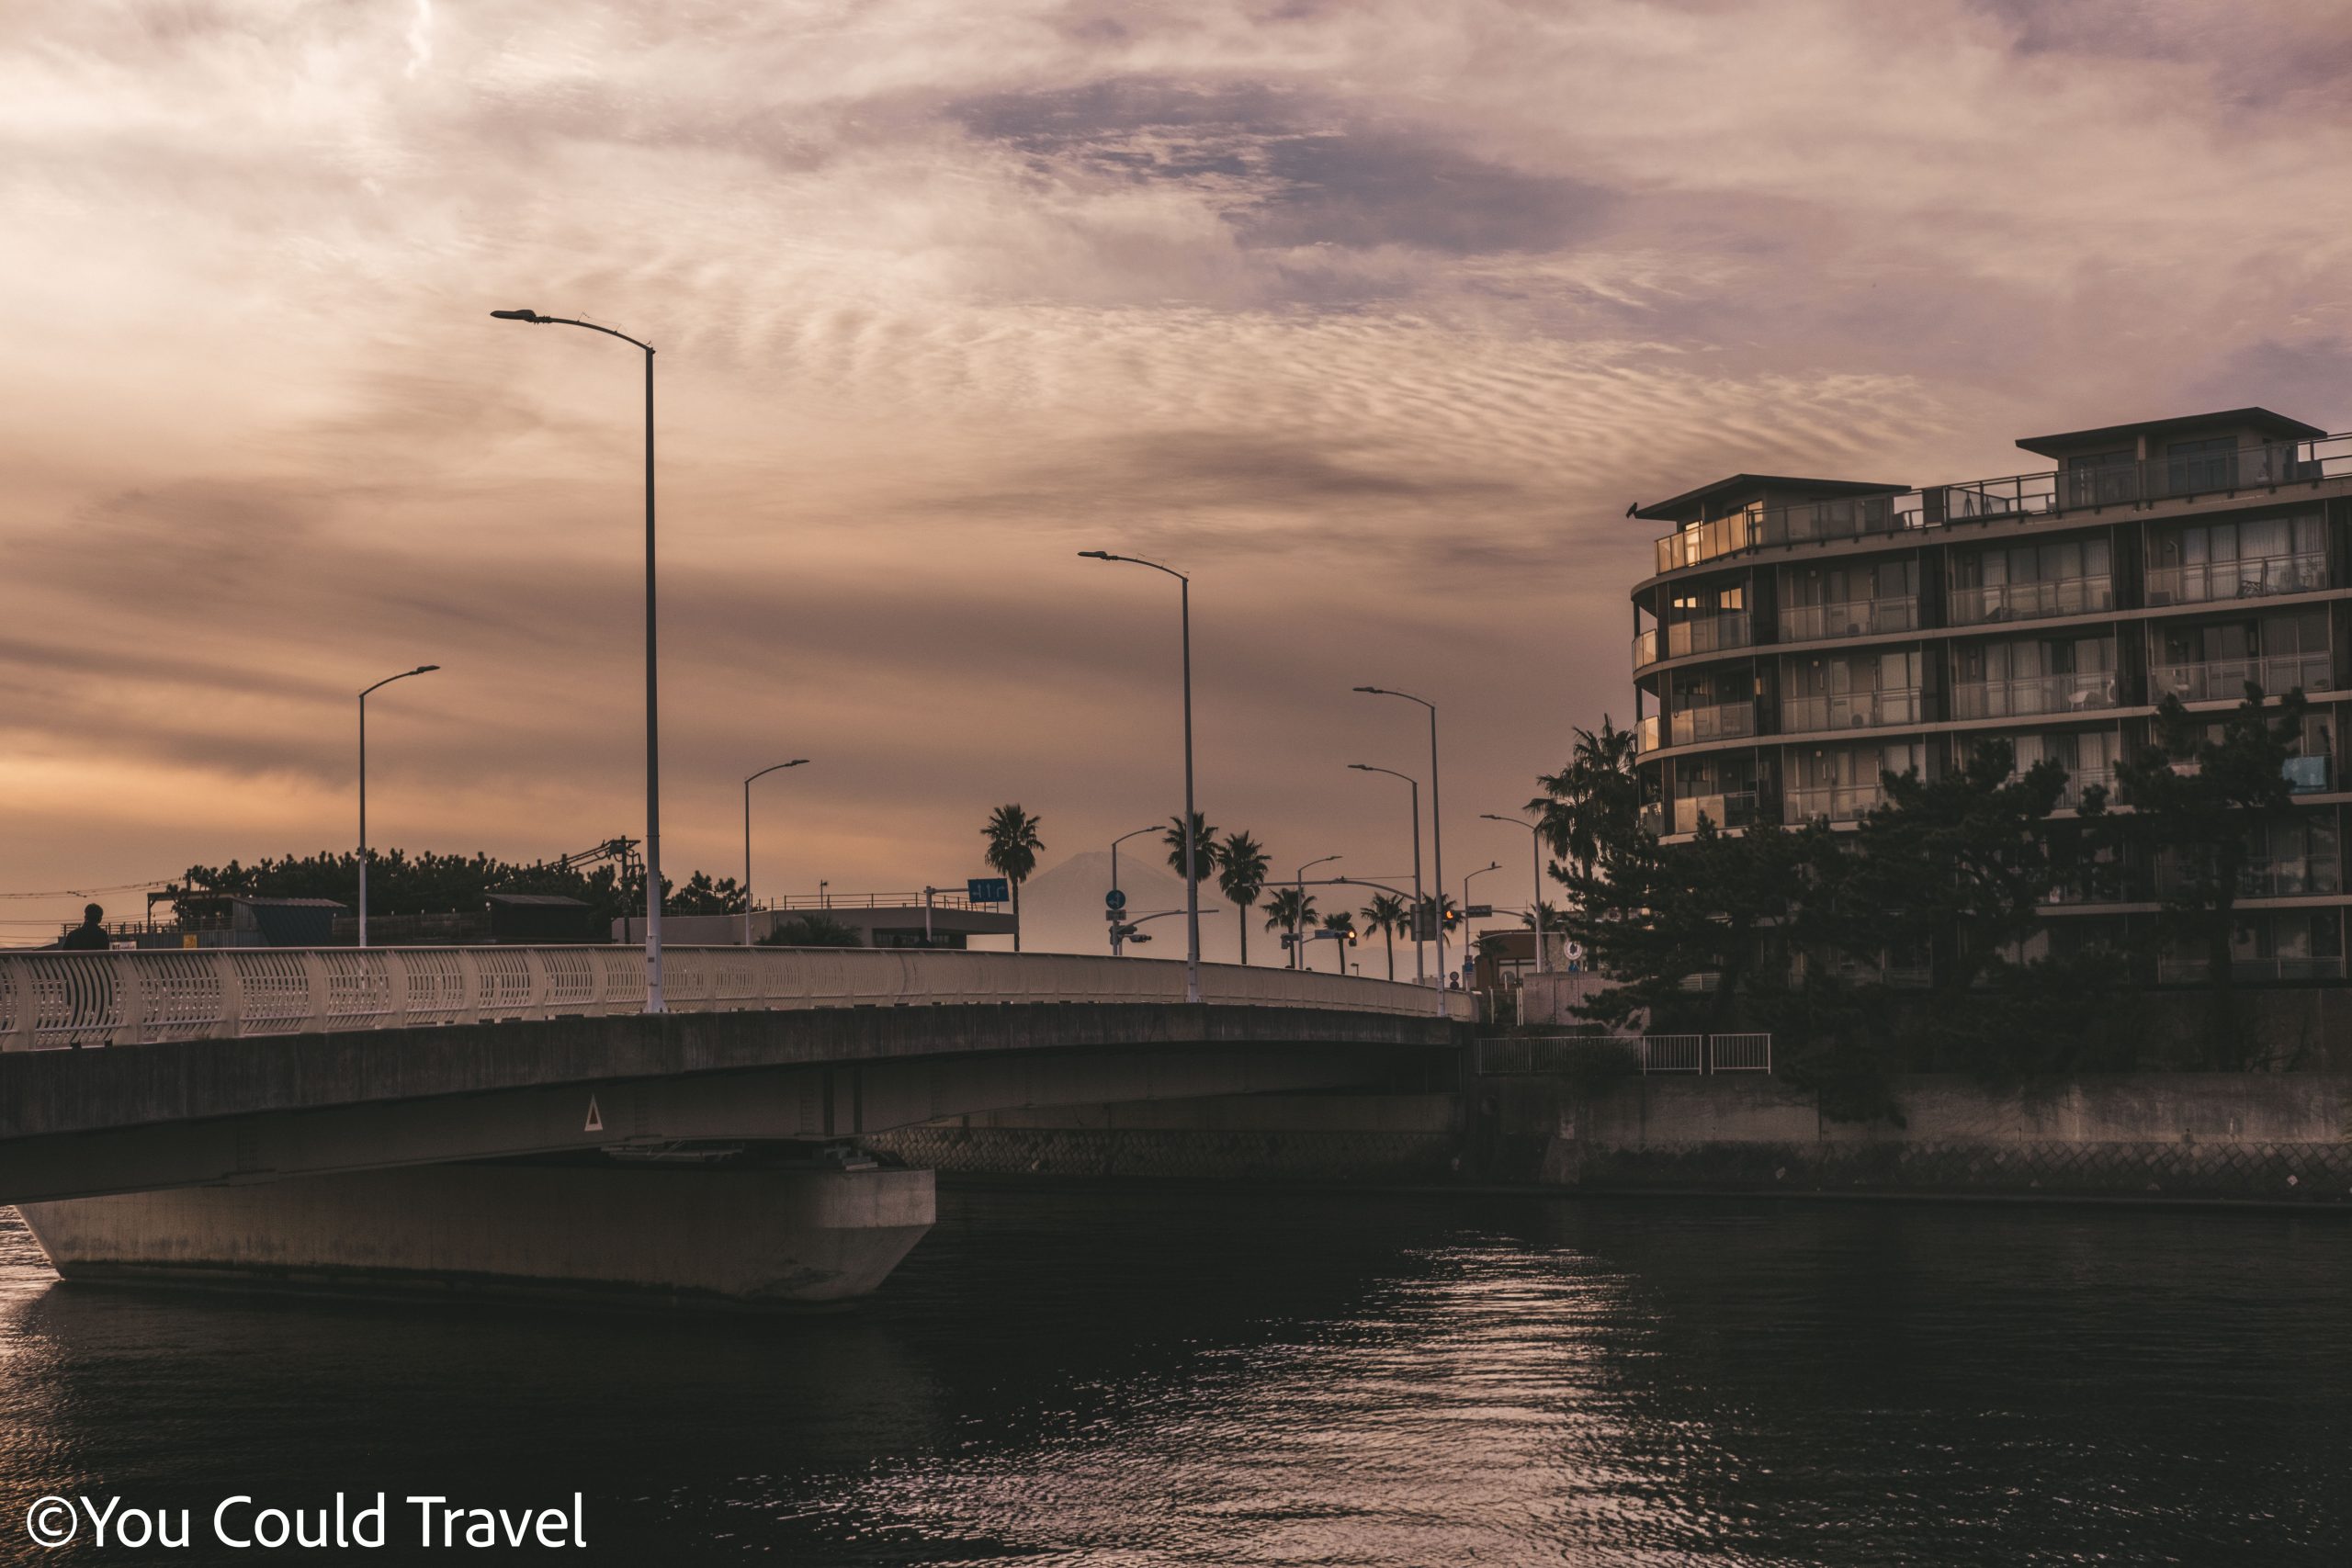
<point>2246,559</point>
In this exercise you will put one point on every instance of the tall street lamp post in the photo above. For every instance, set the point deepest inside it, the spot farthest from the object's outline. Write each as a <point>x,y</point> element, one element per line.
<point>1192,848</point>
<point>796,762</point>
<point>1535,849</point>
<point>1119,922</point>
<point>1420,971</point>
<point>420,669</point>
<point>653,1003</point>
<point>1490,865</point>
<point>1437,831</point>
<point>1299,911</point>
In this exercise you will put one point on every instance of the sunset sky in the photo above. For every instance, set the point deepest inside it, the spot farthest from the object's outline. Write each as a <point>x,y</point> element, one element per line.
<point>1373,317</point>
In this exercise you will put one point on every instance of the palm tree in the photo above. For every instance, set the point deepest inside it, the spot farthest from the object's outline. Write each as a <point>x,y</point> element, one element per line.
<point>1289,909</point>
<point>1590,810</point>
<point>1343,922</point>
<point>1012,849</point>
<point>1385,917</point>
<point>1241,877</point>
<point>1203,836</point>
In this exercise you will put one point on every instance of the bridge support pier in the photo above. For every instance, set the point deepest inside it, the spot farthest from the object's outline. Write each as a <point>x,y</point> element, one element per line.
<point>741,1235</point>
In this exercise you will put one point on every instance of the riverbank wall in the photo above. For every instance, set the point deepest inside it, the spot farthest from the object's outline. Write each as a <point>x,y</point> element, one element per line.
<point>2244,1137</point>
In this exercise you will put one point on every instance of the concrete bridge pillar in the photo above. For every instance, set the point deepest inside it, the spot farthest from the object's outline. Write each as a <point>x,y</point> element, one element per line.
<point>665,1230</point>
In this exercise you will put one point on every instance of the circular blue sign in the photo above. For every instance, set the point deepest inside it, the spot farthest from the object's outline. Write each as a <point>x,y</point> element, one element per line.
<point>1115,899</point>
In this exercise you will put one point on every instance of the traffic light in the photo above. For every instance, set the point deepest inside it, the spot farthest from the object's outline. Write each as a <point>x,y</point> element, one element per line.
<point>1451,917</point>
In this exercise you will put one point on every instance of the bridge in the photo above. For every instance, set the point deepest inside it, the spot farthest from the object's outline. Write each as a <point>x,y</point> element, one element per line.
<point>509,1120</point>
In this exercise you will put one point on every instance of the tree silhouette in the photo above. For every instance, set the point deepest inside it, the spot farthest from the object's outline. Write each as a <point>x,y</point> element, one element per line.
<point>1013,845</point>
<point>1241,877</point>
<point>1385,917</point>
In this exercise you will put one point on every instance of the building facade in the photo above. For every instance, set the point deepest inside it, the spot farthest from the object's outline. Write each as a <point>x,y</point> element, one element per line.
<point>1800,638</point>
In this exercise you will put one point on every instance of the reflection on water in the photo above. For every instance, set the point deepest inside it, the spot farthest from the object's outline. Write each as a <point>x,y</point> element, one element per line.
<point>1224,1377</point>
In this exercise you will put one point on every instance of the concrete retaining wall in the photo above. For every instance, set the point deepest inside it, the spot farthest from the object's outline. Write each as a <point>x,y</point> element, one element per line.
<point>2242,1137</point>
<point>2272,1137</point>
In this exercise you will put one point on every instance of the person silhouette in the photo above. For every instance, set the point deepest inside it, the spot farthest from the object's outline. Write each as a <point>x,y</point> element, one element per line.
<point>90,936</point>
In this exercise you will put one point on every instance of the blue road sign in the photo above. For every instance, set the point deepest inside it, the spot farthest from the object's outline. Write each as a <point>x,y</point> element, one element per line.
<point>988,890</point>
<point>1115,899</point>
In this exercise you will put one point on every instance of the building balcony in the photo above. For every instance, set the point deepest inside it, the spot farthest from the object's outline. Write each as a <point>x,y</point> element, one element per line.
<point>1858,617</point>
<point>2268,876</point>
<point>2225,679</point>
<point>2028,601</point>
<point>2082,779</point>
<point>2034,693</point>
<point>2204,582</point>
<point>1718,721</point>
<point>1650,816</point>
<point>1646,734</point>
<point>1852,710</point>
<point>1704,633</point>
<point>1709,634</point>
<point>1839,802</point>
<point>1732,809</point>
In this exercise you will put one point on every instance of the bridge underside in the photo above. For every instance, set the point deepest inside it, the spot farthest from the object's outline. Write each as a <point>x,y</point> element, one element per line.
<point>402,1159</point>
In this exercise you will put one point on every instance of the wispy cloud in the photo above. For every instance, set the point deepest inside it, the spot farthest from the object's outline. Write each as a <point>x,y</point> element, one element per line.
<point>1375,315</point>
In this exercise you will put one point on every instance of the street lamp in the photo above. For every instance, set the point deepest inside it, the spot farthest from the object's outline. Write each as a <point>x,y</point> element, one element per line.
<point>1535,849</point>
<point>797,761</point>
<point>1420,969</point>
<point>1120,921</point>
<point>1437,829</point>
<point>1192,848</point>
<point>652,688</point>
<point>1297,909</point>
<point>420,669</point>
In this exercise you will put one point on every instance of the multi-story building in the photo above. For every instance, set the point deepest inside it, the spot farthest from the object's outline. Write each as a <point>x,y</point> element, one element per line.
<point>1802,637</point>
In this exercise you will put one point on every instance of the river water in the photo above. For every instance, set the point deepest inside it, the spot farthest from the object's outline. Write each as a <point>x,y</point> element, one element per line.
<point>1224,1377</point>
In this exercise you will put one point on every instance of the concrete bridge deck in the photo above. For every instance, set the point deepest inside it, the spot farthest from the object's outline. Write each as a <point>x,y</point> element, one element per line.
<point>228,1067</point>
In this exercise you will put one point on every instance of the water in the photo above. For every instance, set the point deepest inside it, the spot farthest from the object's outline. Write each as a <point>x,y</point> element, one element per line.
<point>1225,1379</point>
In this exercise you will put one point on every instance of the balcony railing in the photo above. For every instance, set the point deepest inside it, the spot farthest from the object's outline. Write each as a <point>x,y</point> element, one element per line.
<point>2268,876</point>
<point>1719,721</point>
<point>2225,679</point>
<point>1852,710</point>
<point>2258,577</point>
<point>2172,969</point>
<point>1731,809</point>
<point>1645,734</point>
<point>1708,634</point>
<point>2080,779</point>
<point>2030,601</point>
<point>1839,802</point>
<point>2022,496</point>
<point>2034,693</point>
<point>1856,617</point>
<point>1645,648</point>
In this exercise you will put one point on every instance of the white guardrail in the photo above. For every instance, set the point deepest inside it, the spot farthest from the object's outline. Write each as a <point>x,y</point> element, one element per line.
<point>1526,1054</point>
<point>51,998</point>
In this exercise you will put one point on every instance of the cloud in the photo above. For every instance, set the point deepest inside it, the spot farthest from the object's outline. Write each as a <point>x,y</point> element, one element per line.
<point>1374,316</point>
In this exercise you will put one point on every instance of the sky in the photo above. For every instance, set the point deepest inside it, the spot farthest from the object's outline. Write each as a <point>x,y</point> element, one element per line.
<point>1373,318</point>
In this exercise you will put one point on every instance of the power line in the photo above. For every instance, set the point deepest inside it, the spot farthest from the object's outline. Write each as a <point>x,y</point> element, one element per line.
<point>86,892</point>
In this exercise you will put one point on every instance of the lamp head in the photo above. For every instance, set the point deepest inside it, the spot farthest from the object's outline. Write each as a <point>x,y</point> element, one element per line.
<point>1096,555</point>
<point>797,761</point>
<point>425,670</point>
<point>1375,690</point>
<point>518,315</point>
<point>1361,767</point>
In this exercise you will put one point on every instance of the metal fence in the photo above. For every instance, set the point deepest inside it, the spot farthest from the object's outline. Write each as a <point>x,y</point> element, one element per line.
<point>1526,1054</point>
<point>140,998</point>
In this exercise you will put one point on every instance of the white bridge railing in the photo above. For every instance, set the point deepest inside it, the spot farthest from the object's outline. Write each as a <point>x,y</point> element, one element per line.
<point>51,999</point>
